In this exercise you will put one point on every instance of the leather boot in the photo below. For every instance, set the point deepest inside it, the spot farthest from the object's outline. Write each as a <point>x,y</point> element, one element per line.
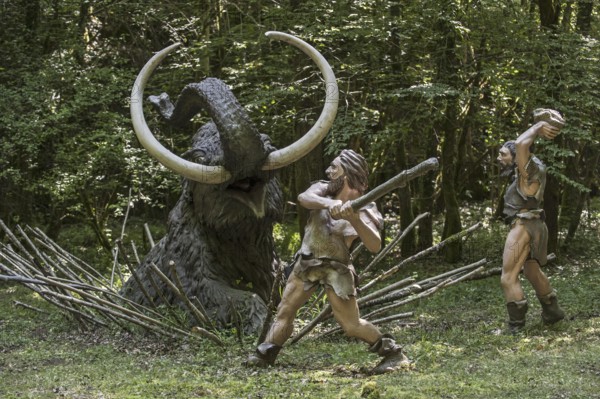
<point>393,357</point>
<point>265,355</point>
<point>551,312</point>
<point>516,315</point>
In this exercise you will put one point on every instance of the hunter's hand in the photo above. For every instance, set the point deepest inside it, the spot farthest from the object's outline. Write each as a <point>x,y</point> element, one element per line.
<point>547,131</point>
<point>343,211</point>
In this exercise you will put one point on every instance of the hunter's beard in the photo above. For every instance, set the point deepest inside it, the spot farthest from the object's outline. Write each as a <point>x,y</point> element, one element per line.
<point>334,186</point>
<point>507,170</point>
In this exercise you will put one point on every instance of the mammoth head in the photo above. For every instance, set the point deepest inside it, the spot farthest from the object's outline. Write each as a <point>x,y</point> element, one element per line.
<point>245,150</point>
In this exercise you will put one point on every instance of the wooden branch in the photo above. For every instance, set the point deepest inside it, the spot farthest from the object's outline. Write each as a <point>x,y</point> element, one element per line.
<point>124,313</point>
<point>28,268</point>
<point>357,250</point>
<point>26,306</point>
<point>164,300</point>
<point>115,253</point>
<point>319,296</point>
<point>39,261</point>
<point>36,286</point>
<point>309,327</point>
<point>176,291</point>
<point>270,306</point>
<point>108,294</point>
<point>384,290</point>
<point>198,315</point>
<point>423,294</point>
<point>421,254</point>
<point>401,235</point>
<point>135,253</point>
<point>374,322</point>
<point>20,279</point>
<point>395,317</point>
<point>379,297</point>
<point>79,264</point>
<point>135,276</point>
<point>149,235</point>
<point>396,305</point>
<point>16,242</point>
<point>17,261</point>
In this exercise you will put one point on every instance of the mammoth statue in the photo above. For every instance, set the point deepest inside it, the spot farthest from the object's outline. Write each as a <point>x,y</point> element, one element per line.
<point>220,231</point>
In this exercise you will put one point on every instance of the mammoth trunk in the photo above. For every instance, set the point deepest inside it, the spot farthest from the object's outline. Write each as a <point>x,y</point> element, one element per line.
<point>244,150</point>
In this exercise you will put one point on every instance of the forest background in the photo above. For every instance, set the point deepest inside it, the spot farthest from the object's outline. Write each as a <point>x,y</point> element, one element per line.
<point>418,79</point>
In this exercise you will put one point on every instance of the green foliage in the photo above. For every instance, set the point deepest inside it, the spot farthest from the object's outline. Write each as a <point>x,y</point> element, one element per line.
<point>69,155</point>
<point>287,240</point>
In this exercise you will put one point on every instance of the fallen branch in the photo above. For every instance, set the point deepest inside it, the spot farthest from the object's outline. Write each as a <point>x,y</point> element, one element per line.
<point>149,235</point>
<point>124,313</point>
<point>26,306</point>
<point>377,322</point>
<point>72,260</point>
<point>201,317</point>
<point>180,295</point>
<point>421,254</point>
<point>271,305</point>
<point>401,235</point>
<point>421,295</point>
<point>309,327</point>
<point>380,297</point>
<point>133,274</point>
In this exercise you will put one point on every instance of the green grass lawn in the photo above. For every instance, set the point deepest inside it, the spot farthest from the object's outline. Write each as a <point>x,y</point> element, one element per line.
<point>456,348</point>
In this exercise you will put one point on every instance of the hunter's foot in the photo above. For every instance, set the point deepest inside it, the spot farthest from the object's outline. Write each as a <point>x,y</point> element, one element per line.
<point>392,362</point>
<point>255,361</point>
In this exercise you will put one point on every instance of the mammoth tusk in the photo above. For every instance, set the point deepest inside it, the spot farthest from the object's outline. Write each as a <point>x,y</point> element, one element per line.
<point>316,134</point>
<point>191,170</point>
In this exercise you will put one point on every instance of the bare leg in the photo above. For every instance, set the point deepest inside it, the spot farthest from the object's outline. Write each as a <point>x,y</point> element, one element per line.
<point>551,311</point>
<point>515,253</point>
<point>347,315</point>
<point>537,278</point>
<point>293,298</point>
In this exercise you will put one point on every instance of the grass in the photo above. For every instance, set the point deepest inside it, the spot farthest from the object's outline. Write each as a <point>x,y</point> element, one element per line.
<point>457,348</point>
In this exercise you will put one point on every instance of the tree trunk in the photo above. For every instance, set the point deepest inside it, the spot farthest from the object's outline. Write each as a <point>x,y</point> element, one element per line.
<point>452,223</point>
<point>589,164</point>
<point>567,16</point>
<point>447,66</point>
<point>549,17</point>
<point>584,16</point>
<point>549,13</point>
<point>426,199</point>
<point>408,246</point>
<point>551,208</point>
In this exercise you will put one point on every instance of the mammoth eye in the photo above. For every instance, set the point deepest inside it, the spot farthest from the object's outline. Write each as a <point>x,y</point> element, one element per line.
<point>195,154</point>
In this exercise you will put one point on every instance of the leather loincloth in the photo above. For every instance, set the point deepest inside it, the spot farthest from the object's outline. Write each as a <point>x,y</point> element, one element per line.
<point>538,237</point>
<point>314,271</point>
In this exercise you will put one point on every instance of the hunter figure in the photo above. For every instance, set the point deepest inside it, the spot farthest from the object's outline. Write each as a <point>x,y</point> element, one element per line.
<point>526,244</point>
<point>324,258</point>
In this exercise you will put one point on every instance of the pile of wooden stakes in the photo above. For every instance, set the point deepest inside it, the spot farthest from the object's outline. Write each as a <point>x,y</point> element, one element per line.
<point>83,294</point>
